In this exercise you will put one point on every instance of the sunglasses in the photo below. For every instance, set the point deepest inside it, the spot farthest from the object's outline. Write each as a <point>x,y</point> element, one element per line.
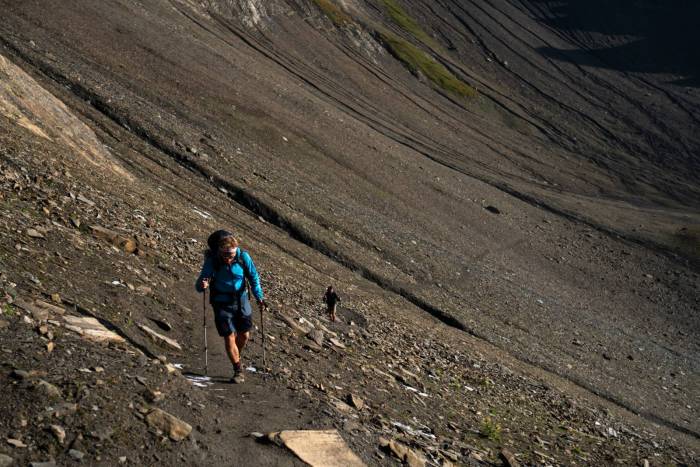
<point>228,253</point>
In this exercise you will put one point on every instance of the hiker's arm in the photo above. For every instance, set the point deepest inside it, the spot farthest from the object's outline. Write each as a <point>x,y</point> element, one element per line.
<point>254,278</point>
<point>206,273</point>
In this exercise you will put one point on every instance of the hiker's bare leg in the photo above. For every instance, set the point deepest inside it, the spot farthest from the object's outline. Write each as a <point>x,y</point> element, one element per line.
<point>241,339</point>
<point>232,348</point>
<point>332,310</point>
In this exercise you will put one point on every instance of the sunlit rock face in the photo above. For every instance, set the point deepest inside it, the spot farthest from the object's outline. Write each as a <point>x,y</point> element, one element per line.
<point>29,105</point>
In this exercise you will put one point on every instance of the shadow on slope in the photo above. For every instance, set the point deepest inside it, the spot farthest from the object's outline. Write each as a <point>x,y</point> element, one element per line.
<point>649,36</point>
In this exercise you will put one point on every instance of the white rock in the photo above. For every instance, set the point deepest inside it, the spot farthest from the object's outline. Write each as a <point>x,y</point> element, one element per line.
<point>59,433</point>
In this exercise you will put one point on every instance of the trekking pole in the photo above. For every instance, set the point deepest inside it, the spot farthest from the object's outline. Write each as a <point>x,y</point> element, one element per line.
<point>262,329</point>
<point>262,325</point>
<point>206,349</point>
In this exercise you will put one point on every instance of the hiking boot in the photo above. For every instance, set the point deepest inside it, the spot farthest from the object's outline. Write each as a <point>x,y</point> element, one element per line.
<point>238,377</point>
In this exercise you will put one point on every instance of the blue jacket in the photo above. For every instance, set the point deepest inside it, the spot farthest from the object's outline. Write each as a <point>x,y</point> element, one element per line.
<point>228,279</point>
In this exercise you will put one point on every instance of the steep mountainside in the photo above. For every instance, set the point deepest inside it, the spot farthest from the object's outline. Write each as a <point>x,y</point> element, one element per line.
<point>521,174</point>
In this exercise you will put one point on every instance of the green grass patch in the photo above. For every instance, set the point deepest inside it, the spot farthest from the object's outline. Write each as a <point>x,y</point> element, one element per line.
<point>334,13</point>
<point>418,61</point>
<point>406,22</point>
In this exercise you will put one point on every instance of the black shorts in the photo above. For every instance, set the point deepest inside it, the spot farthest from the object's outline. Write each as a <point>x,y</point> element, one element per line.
<point>229,320</point>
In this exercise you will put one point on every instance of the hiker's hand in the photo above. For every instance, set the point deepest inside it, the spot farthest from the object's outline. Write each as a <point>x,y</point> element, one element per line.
<point>205,284</point>
<point>262,304</point>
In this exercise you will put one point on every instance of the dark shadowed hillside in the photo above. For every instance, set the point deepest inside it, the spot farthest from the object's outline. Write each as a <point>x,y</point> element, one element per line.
<point>508,193</point>
<point>632,36</point>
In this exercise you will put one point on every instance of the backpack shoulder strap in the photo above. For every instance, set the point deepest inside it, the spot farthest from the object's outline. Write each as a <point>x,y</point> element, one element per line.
<point>239,260</point>
<point>246,272</point>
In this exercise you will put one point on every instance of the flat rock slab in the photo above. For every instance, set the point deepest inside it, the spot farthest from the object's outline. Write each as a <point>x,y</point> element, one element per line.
<point>292,324</point>
<point>176,429</point>
<point>40,310</point>
<point>409,457</point>
<point>356,401</point>
<point>160,338</point>
<point>90,328</point>
<point>16,443</point>
<point>48,390</point>
<point>337,343</point>
<point>128,244</point>
<point>320,448</point>
<point>509,459</point>
<point>316,335</point>
<point>340,406</point>
<point>50,307</point>
<point>312,346</point>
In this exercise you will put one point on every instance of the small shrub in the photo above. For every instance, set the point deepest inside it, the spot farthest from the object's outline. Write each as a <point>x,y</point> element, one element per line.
<point>490,429</point>
<point>8,310</point>
<point>486,382</point>
<point>334,13</point>
<point>418,61</point>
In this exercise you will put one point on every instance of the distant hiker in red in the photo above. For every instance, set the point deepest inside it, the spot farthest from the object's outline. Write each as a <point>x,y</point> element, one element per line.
<point>331,298</point>
<point>226,272</point>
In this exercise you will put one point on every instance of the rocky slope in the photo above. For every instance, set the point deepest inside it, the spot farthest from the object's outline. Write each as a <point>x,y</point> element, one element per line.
<point>519,267</point>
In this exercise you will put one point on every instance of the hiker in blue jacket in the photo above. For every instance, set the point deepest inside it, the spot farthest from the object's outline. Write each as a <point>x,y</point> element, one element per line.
<point>227,271</point>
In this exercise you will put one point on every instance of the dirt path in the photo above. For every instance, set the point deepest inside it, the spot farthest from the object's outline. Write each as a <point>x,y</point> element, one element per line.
<point>260,405</point>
